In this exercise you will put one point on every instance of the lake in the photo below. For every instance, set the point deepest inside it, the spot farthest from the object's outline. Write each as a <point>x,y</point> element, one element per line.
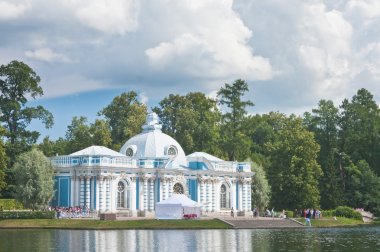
<point>308,239</point>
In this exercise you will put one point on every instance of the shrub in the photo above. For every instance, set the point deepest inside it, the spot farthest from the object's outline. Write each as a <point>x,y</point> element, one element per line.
<point>289,214</point>
<point>27,215</point>
<point>10,204</point>
<point>348,212</point>
<point>328,213</point>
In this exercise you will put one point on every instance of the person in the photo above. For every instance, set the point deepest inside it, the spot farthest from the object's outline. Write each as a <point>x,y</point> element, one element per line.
<point>307,222</point>
<point>272,212</point>
<point>232,212</point>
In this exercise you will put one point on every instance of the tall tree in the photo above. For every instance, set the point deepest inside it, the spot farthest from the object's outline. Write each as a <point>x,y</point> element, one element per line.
<point>261,190</point>
<point>294,171</point>
<point>3,163</point>
<point>192,120</point>
<point>125,115</point>
<point>324,122</point>
<point>18,82</point>
<point>78,134</point>
<point>360,129</point>
<point>34,179</point>
<point>235,141</point>
<point>100,133</point>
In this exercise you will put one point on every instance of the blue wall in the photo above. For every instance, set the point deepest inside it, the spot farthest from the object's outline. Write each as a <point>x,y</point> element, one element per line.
<point>193,189</point>
<point>62,187</point>
<point>197,166</point>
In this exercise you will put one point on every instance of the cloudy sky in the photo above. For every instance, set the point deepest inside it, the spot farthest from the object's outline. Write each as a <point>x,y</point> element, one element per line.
<point>292,53</point>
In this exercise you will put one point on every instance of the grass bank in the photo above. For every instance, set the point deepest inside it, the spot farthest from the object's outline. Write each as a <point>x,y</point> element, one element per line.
<point>128,224</point>
<point>330,222</point>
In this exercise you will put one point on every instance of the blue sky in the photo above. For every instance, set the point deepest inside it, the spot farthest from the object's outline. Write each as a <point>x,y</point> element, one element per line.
<point>292,53</point>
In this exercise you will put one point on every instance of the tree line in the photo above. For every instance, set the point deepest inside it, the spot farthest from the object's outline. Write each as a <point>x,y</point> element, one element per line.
<point>327,157</point>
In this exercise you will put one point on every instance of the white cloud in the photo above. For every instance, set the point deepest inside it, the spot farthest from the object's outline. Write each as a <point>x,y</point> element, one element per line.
<point>143,98</point>
<point>208,40</point>
<point>46,54</point>
<point>110,16</point>
<point>11,10</point>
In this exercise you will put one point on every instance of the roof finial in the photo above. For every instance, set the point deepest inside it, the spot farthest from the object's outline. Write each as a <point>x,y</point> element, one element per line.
<point>152,122</point>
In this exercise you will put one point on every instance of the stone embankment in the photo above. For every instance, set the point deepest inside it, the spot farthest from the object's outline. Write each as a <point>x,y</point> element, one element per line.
<point>262,222</point>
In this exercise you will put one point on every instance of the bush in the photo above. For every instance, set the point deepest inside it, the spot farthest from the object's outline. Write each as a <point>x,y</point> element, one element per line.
<point>348,212</point>
<point>289,214</point>
<point>27,215</point>
<point>10,204</point>
<point>328,213</point>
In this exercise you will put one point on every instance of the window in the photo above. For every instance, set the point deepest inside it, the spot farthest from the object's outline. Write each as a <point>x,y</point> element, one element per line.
<point>129,152</point>
<point>178,189</point>
<point>172,151</point>
<point>120,195</point>
<point>224,197</point>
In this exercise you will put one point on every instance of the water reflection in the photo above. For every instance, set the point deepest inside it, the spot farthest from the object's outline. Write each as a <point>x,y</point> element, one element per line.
<point>340,239</point>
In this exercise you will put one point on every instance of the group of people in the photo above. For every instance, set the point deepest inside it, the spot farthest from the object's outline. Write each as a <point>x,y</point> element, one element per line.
<point>309,214</point>
<point>72,212</point>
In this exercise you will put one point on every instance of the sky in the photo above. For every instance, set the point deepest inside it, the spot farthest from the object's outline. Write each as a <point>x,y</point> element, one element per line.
<point>291,53</point>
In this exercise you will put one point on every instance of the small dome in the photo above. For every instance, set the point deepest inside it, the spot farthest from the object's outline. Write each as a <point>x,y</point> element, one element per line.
<point>152,144</point>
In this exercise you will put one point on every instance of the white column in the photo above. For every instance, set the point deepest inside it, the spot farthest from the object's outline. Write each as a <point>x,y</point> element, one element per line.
<point>108,194</point>
<point>201,184</point>
<point>244,196</point>
<point>82,191</point>
<point>73,190</point>
<point>133,194</point>
<point>146,194</point>
<point>233,194</point>
<point>240,196</point>
<point>88,180</point>
<point>249,197</point>
<point>213,198</point>
<point>101,207</point>
<point>112,194</point>
<point>170,187</point>
<point>204,195</point>
<point>151,195</point>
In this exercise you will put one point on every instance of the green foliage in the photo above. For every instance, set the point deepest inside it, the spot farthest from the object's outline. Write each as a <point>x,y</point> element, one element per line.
<point>261,190</point>
<point>289,214</point>
<point>18,82</point>
<point>328,213</point>
<point>125,116</point>
<point>348,212</point>
<point>27,215</point>
<point>10,204</point>
<point>34,180</point>
<point>3,163</point>
<point>192,120</point>
<point>234,142</point>
<point>324,122</point>
<point>294,172</point>
<point>360,129</point>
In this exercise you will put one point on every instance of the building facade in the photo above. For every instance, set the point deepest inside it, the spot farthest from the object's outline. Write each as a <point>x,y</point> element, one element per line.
<point>149,168</point>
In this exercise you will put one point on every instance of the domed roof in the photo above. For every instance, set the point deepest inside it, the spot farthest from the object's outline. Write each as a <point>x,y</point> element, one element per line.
<point>153,144</point>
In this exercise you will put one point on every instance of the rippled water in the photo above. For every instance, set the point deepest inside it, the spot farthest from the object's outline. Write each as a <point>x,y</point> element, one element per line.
<point>309,239</point>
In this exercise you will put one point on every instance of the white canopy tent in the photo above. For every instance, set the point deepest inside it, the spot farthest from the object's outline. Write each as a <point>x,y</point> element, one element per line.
<point>176,207</point>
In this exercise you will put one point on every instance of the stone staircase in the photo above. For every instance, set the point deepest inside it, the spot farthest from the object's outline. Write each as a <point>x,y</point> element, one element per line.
<point>263,223</point>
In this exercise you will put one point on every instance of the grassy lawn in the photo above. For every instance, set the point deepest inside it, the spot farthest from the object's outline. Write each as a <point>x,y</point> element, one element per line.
<point>128,224</point>
<point>330,222</point>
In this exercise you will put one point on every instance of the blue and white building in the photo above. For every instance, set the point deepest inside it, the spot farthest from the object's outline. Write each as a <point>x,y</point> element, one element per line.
<point>149,168</point>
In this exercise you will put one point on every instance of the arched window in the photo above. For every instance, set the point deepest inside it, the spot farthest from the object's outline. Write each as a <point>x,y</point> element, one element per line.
<point>120,195</point>
<point>224,197</point>
<point>178,189</point>
<point>129,152</point>
<point>172,151</point>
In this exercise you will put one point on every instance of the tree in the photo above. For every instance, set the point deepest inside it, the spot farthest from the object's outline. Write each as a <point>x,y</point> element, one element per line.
<point>34,179</point>
<point>234,140</point>
<point>293,172</point>
<point>3,163</point>
<point>125,116</point>
<point>261,189</point>
<point>360,129</point>
<point>100,133</point>
<point>78,134</point>
<point>192,120</point>
<point>324,123</point>
<point>18,82</point>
